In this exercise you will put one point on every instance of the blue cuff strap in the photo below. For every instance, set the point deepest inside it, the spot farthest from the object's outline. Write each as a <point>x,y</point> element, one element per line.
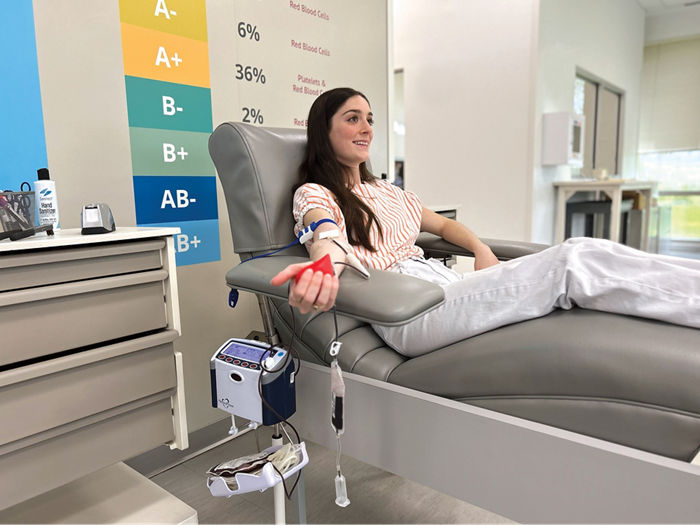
<point>308,232</point>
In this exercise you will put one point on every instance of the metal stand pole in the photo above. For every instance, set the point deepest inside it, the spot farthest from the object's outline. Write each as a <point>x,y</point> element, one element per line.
<point>279,488</point>
<point>301,498</point>
<point>270,332</point>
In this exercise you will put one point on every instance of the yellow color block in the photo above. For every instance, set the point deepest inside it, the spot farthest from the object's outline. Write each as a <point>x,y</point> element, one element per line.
<point>162,56</point>
<point>186,18</point>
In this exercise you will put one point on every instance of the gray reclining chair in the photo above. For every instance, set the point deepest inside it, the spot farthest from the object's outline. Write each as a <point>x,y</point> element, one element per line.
<point>623,379</point>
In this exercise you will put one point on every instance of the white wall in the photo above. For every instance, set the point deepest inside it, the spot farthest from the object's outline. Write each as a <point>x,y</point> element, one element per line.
<point>469,99</point>
<point>478,75</point>
<point>357,63</point>
<point>673,25</point>
<point>604,38</point>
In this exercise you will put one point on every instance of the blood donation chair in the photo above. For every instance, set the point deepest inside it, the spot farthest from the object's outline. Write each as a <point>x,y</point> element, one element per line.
<point>622,379</point>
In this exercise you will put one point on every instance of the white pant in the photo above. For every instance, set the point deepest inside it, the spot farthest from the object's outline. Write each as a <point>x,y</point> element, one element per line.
<point>590,273</point>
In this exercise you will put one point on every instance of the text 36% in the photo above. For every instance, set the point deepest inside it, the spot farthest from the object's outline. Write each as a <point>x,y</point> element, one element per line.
<point>250,74</point>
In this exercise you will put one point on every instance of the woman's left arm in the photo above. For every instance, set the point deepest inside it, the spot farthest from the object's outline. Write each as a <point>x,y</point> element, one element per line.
<point>456,233</point>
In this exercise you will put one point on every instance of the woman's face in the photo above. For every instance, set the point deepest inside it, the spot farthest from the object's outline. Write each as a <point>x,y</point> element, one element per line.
<point>351,131</point>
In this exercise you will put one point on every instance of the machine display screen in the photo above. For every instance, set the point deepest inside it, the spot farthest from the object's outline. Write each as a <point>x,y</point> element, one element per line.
<point>248,353</point>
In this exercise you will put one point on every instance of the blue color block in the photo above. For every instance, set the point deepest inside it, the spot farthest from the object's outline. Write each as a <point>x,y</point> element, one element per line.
<point>198,242</point>
<point>174,199</point>
<point>22,140</point>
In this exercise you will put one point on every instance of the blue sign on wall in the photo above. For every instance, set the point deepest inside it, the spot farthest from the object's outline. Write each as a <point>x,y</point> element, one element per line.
<point>197,243</point>
<point>175,199</point>
<point>22,140</point>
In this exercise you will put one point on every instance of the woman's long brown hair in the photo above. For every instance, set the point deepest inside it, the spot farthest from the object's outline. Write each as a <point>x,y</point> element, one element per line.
<point>321,166</point>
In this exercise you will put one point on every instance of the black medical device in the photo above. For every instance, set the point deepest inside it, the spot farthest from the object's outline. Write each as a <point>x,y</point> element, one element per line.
<point>96,218</point>
<point>243,370</point>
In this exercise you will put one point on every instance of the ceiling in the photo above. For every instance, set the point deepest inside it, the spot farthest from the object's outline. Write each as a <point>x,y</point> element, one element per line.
<point>657,7</point>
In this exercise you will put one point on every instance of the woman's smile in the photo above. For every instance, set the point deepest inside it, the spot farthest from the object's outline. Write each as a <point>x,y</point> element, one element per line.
<point>351,132</point>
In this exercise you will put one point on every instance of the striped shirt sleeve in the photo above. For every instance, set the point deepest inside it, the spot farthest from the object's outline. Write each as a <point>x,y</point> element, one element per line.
<point>414,205</point>
<point>311,196</point>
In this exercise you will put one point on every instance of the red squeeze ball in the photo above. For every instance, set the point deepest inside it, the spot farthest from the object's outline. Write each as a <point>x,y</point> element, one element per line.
<point>324,265</point>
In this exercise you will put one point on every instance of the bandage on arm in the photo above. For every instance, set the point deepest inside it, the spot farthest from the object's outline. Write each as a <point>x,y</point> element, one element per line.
<point>350,258</point>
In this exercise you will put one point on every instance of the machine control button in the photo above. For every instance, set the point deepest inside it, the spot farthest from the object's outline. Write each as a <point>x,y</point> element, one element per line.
<point>244,364</point>
<point>228,359</point>
<point>253,366</point>
<point>222,356</point>
<point>237,362</point>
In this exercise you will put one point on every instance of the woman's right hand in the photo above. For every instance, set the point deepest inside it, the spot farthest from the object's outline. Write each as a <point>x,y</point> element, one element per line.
<point>313,291</point>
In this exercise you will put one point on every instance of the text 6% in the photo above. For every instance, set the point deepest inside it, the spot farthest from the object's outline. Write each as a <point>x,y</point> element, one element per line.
<point>248,31</point>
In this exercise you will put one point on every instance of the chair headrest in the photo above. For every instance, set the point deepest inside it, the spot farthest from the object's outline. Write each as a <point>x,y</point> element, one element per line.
<point>257,168</point>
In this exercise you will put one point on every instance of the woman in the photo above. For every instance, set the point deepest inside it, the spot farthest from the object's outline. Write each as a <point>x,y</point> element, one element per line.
<point>379,223</point>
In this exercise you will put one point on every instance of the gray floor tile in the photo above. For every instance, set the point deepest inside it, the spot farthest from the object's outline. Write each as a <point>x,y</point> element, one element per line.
<point>376,496</point>
<point>191,488</point>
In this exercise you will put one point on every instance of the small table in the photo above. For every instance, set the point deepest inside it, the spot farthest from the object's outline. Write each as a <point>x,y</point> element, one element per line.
<point>613,188</point>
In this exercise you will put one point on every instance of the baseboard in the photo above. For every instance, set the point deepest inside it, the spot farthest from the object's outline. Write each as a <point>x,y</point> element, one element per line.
<point>162,458</point>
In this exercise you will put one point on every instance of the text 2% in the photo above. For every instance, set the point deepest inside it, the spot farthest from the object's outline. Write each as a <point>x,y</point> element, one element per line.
<point>252,116</point>
<point>250,74</point>
<point>249,31</point>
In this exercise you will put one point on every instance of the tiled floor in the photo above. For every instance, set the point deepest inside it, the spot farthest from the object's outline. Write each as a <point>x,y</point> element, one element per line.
<point>376,496</point>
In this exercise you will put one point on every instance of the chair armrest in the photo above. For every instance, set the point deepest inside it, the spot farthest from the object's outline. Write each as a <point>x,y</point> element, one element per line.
<point>387,298</point>
<point>438,247</point>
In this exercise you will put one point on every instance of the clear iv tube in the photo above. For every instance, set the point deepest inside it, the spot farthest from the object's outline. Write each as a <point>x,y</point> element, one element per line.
<point>338,423</point>
<point>339,448</point>
<point>341,488</point>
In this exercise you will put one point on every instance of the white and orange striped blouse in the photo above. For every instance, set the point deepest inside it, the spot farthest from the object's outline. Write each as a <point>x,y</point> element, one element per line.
<point>399,212</point>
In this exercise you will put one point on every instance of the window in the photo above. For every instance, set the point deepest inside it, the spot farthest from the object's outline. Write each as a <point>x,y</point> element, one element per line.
<point>601,105</point>
<point>678,174</point>
<point>669,136</point>
<point>399,130</point>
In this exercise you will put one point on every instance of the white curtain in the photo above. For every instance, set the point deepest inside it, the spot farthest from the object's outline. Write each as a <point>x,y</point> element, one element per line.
<point>670,100</point>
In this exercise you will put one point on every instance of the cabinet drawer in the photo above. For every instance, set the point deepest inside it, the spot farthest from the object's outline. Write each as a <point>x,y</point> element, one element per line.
<point>61,265</point>
<point>32,470</point>
<point>43,321</point>
<point>60,391</point>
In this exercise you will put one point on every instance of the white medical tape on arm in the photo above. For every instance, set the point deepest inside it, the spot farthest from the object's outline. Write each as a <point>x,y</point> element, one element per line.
<point>328,234</point>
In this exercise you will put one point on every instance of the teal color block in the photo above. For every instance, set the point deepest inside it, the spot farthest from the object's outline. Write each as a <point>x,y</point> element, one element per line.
<point>169,152</point>
<point>164,105</point>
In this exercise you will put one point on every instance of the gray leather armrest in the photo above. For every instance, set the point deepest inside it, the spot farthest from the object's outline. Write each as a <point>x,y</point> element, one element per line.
<point>387,298</point>
<point>435,246</point>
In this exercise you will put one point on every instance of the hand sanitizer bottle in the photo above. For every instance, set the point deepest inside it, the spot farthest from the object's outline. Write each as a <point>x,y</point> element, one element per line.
<point>46,202</point>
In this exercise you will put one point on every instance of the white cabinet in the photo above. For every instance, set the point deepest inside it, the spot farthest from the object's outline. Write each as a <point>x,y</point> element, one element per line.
<point>88,371</point>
